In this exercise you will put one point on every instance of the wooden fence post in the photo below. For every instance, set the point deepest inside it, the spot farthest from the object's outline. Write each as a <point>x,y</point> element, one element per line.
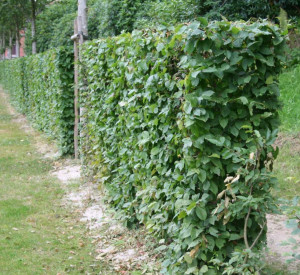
<point>80,35</point>
<point>76,89</point>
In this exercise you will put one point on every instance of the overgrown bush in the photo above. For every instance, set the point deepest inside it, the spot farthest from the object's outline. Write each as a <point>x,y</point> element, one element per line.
<point>179,127</point>
<point>41,87</point>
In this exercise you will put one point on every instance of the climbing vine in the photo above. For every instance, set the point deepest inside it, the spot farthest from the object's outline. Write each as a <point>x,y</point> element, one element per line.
<point>179,127</point>
<point>41,87</point>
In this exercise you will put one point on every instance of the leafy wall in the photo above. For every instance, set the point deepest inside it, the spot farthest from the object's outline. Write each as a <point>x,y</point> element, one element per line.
<point>41,88</point>
<point>179,128</point>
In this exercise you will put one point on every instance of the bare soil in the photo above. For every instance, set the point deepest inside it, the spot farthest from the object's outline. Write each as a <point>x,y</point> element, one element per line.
<point>293,140</point>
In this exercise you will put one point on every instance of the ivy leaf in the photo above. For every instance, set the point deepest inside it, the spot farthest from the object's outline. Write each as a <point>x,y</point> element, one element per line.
<point>203,269</point>
<point>217,142</point>
<point>155,151</point>
<point>269,80</point>
<point>191,206</point>
<point>160,47</point>
<point>212,231</point>
<point>235,30</point>
<point>188,258</point>
<point>192,270</point>
<point>244,100</point>
<point>202,175</point>
<point>203,21</point>
<point>223,122</point>
<point>187,107</point>
<point>187,142</point>
<point>181,215</point>
<point>201,213</point>
<point>234,237</point>
<point>144,138</point>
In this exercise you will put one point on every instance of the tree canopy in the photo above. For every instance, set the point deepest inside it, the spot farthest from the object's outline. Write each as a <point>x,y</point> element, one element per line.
<point>54,19</point>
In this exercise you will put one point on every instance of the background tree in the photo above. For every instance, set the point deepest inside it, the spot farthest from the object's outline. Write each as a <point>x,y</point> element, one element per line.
<point>13,16</point>
<point>50,23</point>
<point>36,6</point>
<point>54,26</point>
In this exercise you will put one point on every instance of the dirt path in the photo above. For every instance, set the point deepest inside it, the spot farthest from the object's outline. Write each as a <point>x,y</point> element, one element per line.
<point>95,235</point>
<point>37,234</point>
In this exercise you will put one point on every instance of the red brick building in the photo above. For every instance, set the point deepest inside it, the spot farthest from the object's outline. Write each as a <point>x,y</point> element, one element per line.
<point>14,48</point>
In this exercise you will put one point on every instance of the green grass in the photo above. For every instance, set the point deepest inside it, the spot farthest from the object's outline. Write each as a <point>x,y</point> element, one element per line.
<point>289,83</point>
<point>37,234</point>
<point>287,165</point>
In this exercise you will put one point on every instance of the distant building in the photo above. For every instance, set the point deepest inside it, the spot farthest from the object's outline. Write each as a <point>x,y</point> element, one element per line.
<point>14,47</point>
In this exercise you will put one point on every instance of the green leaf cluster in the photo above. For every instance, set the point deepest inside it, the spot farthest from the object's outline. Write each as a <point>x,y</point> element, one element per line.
<point>41,88</point>
<point>170,114</point>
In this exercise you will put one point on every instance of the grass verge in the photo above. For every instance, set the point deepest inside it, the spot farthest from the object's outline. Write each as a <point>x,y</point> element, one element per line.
<point>289,83</point>
<point>287,165</point>
<point>37,234</point>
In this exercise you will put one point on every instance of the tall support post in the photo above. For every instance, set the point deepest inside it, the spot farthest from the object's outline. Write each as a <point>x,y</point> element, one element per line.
<point>82,15</point>
<point>76,151</point>
<point>83,36</point>
<point>80,35</point>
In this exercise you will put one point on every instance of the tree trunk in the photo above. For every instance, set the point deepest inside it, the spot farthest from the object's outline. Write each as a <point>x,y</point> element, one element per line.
<point>9,46</point>
<point>3,46</point>
<point>33,26</point>
<point>17,45</point>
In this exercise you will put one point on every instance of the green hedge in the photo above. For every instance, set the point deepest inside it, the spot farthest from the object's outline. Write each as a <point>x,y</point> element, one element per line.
<point>179,128</point>
<point>41,88</point>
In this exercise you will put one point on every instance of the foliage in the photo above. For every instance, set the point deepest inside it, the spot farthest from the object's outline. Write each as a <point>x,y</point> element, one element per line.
<point>174,11</point>
<point>54,26</point>
<point>41,87</point>
<point>12,19</point>
<point>111,17</point>
<point>179,126</point>
<point>168,12</point>
<point>15,13</point>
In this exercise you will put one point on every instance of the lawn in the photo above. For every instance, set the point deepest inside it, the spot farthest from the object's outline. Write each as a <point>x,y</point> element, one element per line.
<point>37,234</point>
<point>289,83</point>
<point>287,165</point>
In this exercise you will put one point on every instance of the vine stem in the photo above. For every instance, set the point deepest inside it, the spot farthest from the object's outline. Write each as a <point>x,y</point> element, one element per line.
<point>246,230</point>
<point>261,231</point>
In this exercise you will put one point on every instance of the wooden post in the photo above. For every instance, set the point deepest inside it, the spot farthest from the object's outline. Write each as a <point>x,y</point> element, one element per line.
<point>76,88</point>
<point>80,35</point>
<point>82,15</point>
<point>83,35</point>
